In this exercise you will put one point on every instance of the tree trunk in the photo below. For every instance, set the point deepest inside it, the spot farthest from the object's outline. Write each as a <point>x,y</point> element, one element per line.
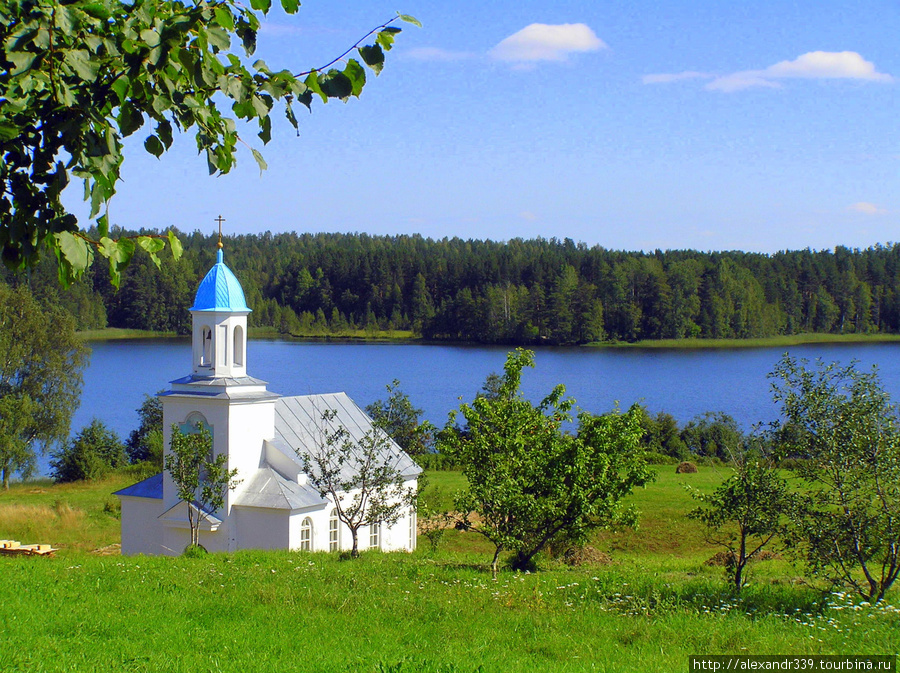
<point>495,562</point>
<point>5,478</point>
<point>354,553</point>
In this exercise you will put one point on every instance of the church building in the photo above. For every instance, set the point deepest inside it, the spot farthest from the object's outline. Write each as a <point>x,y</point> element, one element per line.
<point>262,434</point>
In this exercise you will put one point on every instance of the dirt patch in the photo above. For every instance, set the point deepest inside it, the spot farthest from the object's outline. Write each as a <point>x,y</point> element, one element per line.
<point>108,550</point>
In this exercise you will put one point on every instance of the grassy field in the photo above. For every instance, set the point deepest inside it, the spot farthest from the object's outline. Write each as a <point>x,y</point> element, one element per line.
<point>765,342</point>
<point>647,608</point>
<point>115,333</point>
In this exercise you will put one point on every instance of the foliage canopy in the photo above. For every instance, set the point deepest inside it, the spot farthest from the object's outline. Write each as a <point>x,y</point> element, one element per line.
<point>842,425</point>
<point>529,482</point>
<point>40,378</point>
<point>201,478</point>
<point>359,475</point>
<point>91,454</point>
<point>78,76</point>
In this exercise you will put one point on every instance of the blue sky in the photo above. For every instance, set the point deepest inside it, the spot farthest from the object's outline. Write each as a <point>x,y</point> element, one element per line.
<point>715,126</point>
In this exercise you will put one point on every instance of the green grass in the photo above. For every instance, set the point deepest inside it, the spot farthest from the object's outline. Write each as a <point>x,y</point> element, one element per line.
<point>766,342</point>
<point>651,607</point>
<point>115,333</point>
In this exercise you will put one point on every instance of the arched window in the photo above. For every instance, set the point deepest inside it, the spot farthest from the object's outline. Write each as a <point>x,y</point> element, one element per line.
<point>334,542</point>
<point>239,346</point>
<point>374,536</point>
<point>306,535</point>
<point>206,346</point>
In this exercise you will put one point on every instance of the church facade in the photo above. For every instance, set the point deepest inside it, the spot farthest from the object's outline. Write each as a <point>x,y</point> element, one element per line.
<point>263,435</point>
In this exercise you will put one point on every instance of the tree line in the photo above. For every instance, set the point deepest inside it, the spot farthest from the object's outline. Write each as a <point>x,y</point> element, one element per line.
<point>517,292</point>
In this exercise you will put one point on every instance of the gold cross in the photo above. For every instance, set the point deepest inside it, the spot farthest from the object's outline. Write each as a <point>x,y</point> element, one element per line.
<point>220,219</point>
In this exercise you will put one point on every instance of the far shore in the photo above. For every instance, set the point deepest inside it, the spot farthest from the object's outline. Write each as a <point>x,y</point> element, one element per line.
<point>395,336</point>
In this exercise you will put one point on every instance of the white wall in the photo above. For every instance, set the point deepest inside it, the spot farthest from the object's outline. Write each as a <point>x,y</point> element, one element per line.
<point>261,528</point>
<point>141,529</point>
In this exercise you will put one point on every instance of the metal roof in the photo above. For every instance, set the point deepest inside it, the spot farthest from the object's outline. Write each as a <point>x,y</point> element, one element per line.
<point>220,290</point>
<point>270,490</point>
<point>300,423</point>
<point>152,487</point>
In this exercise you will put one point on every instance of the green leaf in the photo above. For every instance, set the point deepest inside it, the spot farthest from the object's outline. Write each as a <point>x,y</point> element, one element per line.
<point>154,146</point>
<point>22,61</point>
<point>336,84</point>
<point>8,131</point>
<point>266,133</point>
<point>120,87</point>
<point>96,10</point>
<point>225,19</point>
<point>372,56</point>
<point>290,6</point>
<point>259,160</point>
<point>261,5</point>
<point>357,76</point>
<point>218,38</point>
<point>151,243</point>
<point>385,37</point>
<point>175,245</point>
<point>312,83</point>
<point>81,62</point>
<point>409,19</point>
<point>118,260</point>
<point>130,120</point>
<point>76,251</point>
<point>107,247</point>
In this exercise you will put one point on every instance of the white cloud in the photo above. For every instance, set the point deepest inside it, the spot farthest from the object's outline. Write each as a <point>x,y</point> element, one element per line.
<point>828,65</point>
<point>867,208</point>
<point>543,42</point>
<point>665,78</point>
<point>812,65</point>
<point>437,54</point>
<point>528,215</point>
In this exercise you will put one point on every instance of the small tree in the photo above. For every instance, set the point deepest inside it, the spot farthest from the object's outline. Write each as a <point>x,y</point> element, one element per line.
<point>93,452</point>
<point>841,422</point>
<point>145,443</point>
<point>201,479</point>
<point>360,476</point>
<point>529,482</point>
<point>712,434</point>
<point>400,419</point>
<point>745,512</point>
<point>40,378</point>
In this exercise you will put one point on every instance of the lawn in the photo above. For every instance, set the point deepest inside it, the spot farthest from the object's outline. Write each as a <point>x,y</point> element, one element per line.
<point>647,608</point>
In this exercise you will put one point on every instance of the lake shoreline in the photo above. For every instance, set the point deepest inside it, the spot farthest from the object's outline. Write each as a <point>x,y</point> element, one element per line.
<point>401,337</point>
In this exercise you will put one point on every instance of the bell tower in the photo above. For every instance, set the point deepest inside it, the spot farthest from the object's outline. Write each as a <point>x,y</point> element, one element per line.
<point>219,321</point>
<point>235,407</point>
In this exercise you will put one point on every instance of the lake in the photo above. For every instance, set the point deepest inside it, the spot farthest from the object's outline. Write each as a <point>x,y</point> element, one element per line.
<point>684,383</point>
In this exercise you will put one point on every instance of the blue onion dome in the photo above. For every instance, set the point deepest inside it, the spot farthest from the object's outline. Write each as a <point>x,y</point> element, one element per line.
<point>220,290</point>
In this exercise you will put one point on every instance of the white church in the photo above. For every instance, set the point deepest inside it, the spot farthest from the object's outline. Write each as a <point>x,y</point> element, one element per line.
<point>273,506</point>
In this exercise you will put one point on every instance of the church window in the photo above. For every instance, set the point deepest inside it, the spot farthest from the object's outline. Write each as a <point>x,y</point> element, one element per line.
<point>206,346</point>
<point>374,536</point>
<point>333,542</point>
<point>238,346</point>
<point>223,345</point>
<point>306,535</point>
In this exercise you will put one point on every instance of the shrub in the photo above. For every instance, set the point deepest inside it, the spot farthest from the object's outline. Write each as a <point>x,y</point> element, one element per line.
<point>656,458</point>
<point>686,467</point>
<point>90,455</point>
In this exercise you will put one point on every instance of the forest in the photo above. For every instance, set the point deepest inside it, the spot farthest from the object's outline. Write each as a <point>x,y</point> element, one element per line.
<point>541,291</point>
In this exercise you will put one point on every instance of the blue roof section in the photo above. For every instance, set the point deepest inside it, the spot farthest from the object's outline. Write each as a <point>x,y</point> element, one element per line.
<point>149,488</point>
<point>220,290</point>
